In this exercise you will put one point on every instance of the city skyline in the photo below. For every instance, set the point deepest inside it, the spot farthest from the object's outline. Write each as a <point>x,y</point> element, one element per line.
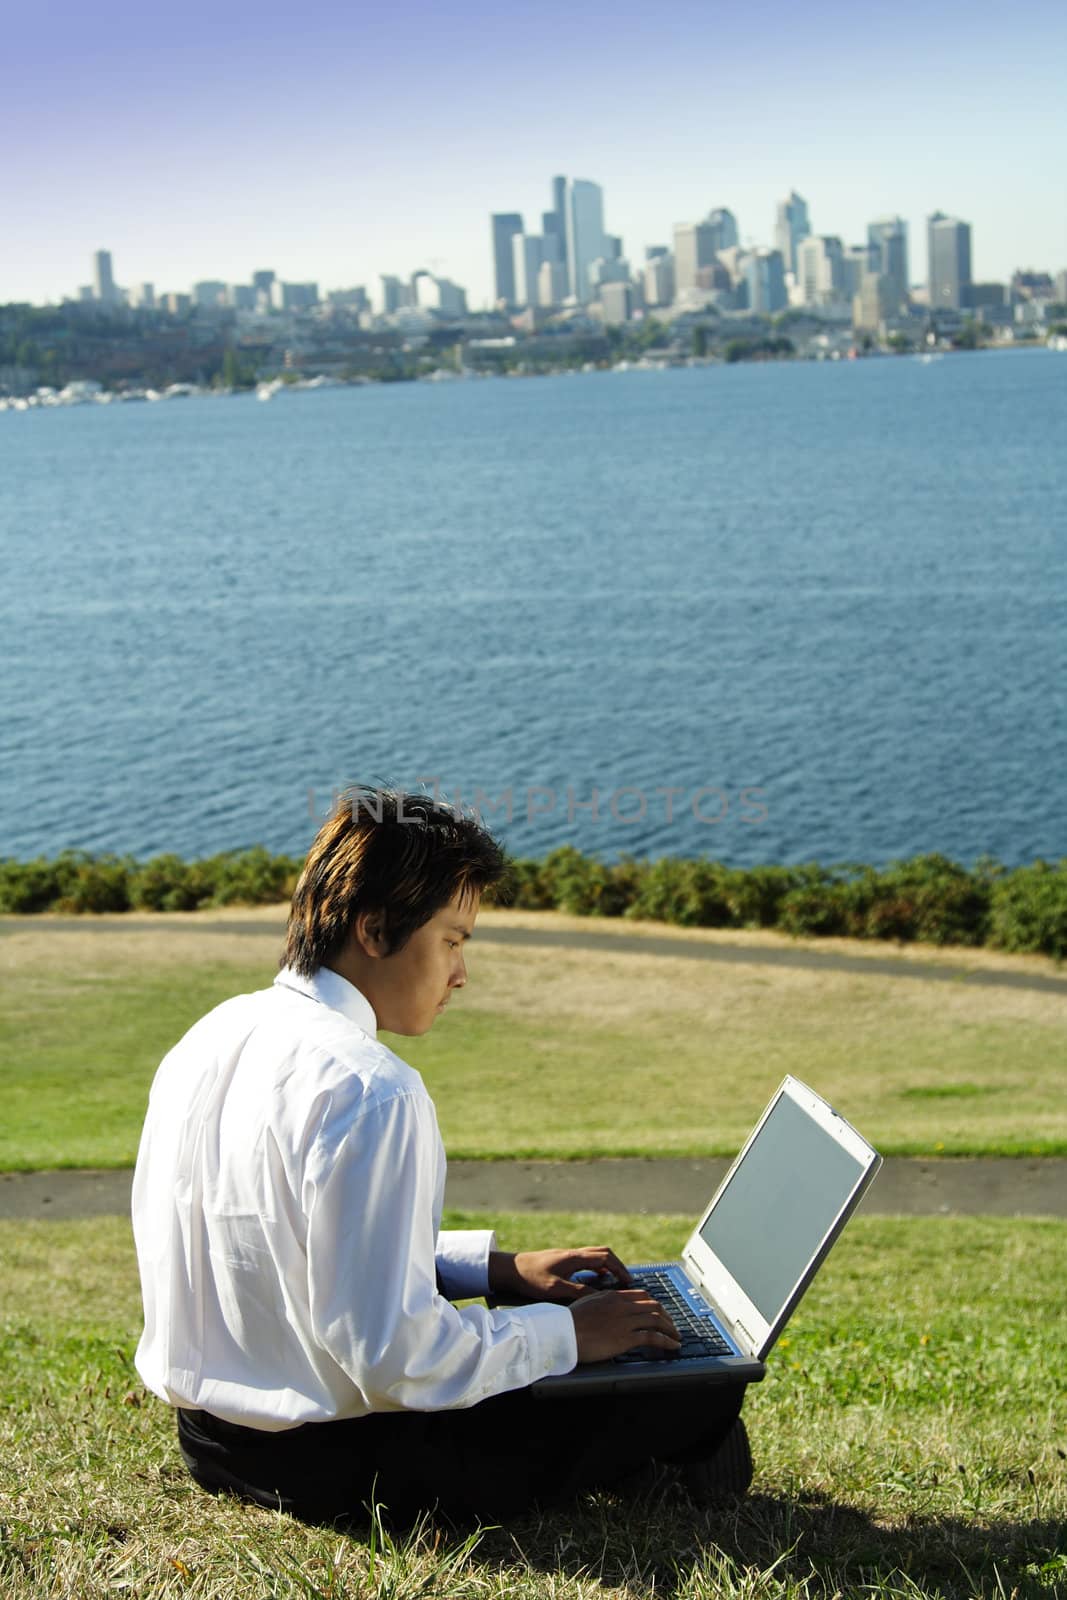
<point>282,147</point>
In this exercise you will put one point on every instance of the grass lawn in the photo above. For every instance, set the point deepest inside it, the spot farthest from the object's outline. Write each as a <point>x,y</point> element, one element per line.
<point>551,1052</point>
<point>910,1440</point>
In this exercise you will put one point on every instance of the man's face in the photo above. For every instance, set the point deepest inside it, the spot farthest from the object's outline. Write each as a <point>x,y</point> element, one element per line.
<point>413,986</point>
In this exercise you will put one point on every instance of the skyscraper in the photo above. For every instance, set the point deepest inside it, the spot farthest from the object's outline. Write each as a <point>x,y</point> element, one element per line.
<point>948,245</point>
<point>694,247</point>
<point>820,269</point>
<point>395,294</point>
<point>505,225</point>
<point>723,225</point>
<point>791,226</point>
<point>765,276</point>
<point>659,278</point>
<point>887,244</point>
<point>527,256</point>
<point>585,235</point>
<point>551,283</point>
<point>857,266</point>
<point>103,282</point>
<point>555,221</point>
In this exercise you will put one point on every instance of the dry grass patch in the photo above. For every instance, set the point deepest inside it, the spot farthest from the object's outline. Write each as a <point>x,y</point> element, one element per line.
<point>550,1052</point>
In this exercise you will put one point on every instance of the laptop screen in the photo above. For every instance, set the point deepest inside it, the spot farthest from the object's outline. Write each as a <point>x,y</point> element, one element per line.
<point>780,1204</point>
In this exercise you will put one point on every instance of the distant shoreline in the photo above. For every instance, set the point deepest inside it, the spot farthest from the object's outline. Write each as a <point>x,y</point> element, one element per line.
<point>268,389</point>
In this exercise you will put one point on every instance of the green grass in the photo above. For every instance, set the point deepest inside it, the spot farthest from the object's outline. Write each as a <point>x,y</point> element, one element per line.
<point>550,1052</point>
<point>910,1440</point>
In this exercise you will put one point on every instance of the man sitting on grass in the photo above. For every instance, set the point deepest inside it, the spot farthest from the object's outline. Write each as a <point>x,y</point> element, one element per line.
<point>298,1291</point>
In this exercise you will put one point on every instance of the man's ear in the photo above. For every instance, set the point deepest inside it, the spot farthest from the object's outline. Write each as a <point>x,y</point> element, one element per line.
<point>368,932</point>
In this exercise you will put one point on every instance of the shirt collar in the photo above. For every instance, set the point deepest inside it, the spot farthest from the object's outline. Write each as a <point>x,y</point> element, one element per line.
<point>330,989</point>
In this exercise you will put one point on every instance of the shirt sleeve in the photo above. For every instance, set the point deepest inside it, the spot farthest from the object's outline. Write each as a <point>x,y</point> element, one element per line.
<point>463,1261</point>
<point>372,1270</point>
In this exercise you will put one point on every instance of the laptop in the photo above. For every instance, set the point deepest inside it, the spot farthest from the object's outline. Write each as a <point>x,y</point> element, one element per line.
<point>748,1261</point>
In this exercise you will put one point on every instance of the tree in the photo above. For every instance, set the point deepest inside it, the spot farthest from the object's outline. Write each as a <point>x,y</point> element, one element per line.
<point>236,374</point>
<point>700,340</point>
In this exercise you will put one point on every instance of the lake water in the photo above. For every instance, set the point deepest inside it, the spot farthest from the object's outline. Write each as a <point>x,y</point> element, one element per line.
<point>839,585</point>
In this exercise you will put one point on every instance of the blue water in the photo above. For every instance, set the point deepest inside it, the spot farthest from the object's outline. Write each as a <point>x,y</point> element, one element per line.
<point>840,585</point>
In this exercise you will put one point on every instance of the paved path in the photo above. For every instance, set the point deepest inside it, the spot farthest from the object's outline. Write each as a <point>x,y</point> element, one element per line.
<point>960,1187</point>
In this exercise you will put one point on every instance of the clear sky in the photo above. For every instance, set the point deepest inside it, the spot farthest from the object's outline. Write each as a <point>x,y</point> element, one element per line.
<point>337,141</point>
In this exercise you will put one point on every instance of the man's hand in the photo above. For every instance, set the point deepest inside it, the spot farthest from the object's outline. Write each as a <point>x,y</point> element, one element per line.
<point>607,1324</point>
<point>548,1274</point>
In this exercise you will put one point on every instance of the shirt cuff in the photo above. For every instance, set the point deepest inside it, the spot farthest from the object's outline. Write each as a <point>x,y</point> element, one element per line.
<point>463,1262</point>
<point>551,1343</point>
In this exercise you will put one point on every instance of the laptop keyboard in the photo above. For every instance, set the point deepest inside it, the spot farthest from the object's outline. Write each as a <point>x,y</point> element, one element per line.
<point>699,1335</point>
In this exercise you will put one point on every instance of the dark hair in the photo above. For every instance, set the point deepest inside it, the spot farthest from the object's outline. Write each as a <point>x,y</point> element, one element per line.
<point>404,856</point>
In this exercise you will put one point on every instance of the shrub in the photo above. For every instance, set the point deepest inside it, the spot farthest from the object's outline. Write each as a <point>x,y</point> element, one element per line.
<point>93,883</point>
<point>691,894</point>
<point>250,877</point>
<point>524,888</point>
<point>755,896</point>
<point>581,885</point>
<point>928,898</point>
<point>814,910</point>
<point>1029,910</point>
<point>28,886</point>
<point>167,883</point>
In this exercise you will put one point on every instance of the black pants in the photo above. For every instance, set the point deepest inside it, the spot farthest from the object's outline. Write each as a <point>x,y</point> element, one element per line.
<point>490,1461</point>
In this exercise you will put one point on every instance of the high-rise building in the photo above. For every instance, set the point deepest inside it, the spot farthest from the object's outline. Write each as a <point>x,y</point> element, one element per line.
<point>396,294</point>
<point>723,225</point>
<point>209,294</point>
<point>103,280</point>
<point>876,299</point>
<point>505,225</point>
<point>430,293</point>
<point>659,278</point>
<point>792,224</point>
<point>616,302</point>
<point>527,256</point>
<point>293,296</point>
<point>144,296</point>
<point>765,276</point>
<point>554,247</point>
<point>857,263</point>
<point>1026,284</point>
<point>585,235</point>
<point>694,247</point>
<point>820,269</point>
<point>948,245</point>
<point>559,212</point>
<point>551,283</point>
<point>608,270</point>
<point>887,242</point>
<point>355,300</point>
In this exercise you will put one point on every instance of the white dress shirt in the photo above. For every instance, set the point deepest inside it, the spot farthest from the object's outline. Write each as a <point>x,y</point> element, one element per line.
<point>286,1211</point>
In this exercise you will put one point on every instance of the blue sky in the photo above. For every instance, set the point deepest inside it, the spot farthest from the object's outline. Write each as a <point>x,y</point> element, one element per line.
<point>339,142</point>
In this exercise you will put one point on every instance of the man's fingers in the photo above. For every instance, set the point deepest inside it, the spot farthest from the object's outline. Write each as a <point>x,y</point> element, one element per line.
<point>607,1323</point>
<point>663,1341</point>
<point>602,1259</point>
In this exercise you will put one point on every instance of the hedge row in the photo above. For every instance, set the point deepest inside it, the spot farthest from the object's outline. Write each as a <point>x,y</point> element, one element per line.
<point>929,898</point>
